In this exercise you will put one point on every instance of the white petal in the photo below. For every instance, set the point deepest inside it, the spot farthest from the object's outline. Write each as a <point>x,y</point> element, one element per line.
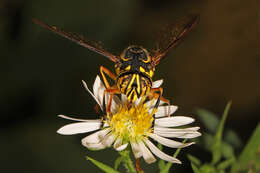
<point>147,155</point>
<point>180,134</point>
<point>82,127</point>
<point>162,111</point>
<point>157,84</point>
<point>98,89</point>
<point>117,143</point>
<point>98,146</point>
<point>168,142</point>
<point>108,140</point>
<point>122,147</point>
<point>172,130</point>
<point>114,105</point>
<point>136,150</point>
<point>96,99</point>
<point>77,119</point>
<point>96,137</point>
<point>161,154</point>
<point>173,121</point>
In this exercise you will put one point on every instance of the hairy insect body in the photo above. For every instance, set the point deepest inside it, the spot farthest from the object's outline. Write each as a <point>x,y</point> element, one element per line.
<point>134,71</point>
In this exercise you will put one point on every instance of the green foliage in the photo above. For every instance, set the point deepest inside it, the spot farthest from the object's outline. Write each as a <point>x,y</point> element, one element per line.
<point>123,158</point>
<point>219,149</point>
<point>118,162</point>
<point>249,159</point>
<point>211,123</point>
<point>209,119</point>
<point>221,145</point>
<point>102,166</point>
<point>125,154</point>
<point>217,141</point>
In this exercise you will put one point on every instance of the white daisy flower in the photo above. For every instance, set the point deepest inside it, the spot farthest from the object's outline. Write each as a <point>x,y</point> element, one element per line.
<point>134,125</point>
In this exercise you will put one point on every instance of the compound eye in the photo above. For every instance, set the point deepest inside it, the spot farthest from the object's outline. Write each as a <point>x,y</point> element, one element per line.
<point>127,56</point>
<point>145,58</point>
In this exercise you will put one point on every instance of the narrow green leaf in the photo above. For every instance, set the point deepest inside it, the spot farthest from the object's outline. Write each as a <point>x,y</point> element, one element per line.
<point>225,164</point>
<point>195,168</point>
<point>251,153</point>
<point>117,162</point>
<point>216,147</point>
<point>209,119</point>
<point>194,160</point>
<point>102,166</point>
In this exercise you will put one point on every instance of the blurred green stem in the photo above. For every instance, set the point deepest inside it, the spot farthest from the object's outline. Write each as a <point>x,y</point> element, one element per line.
<point>127,160</point>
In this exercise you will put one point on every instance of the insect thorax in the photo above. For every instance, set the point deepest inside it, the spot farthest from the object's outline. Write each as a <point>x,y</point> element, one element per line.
<point>134,71</point>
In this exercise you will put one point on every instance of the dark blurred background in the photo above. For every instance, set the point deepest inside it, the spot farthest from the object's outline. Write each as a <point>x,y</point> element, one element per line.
<point>41,73</point>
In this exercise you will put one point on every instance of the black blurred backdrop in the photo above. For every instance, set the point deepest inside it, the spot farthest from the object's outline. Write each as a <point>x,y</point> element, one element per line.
<point>41,73</point>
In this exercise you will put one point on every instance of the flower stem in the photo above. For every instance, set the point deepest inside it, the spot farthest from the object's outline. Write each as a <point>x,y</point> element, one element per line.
<point>127,160</point>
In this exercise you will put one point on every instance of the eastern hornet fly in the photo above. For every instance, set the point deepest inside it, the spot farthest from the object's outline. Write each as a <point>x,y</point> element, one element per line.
<point>135,66</point>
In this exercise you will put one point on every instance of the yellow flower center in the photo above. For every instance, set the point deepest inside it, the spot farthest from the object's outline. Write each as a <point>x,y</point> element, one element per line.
<point>131,124</point>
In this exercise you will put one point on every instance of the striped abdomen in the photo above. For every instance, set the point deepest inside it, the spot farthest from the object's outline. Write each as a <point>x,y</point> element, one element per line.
<point>133,85</point>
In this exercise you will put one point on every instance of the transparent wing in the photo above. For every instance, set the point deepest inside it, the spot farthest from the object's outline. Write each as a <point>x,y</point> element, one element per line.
<point>171,36</point>
<point>77,39</point>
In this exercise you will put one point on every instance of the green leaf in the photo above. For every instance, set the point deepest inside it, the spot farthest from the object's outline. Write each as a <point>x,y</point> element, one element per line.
<point>231,137</point>
<point>225,164</point>
<point>211,122</point>
<point>102,166</point>
<point>206,168</point>
<point>209,119</point>
<point>207,140</point>
<point>251,153</point>
<point>227,150</point>
<point>117,162</point>
<point>195,168</point>
<point>194,160</point>
<point>216,147</point>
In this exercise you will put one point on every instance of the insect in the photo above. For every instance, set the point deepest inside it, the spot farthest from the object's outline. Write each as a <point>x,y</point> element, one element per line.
<point>135,66</point>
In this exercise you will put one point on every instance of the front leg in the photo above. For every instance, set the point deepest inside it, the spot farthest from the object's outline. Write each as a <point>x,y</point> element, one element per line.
<point>111,90</point>
<point>157,93</point>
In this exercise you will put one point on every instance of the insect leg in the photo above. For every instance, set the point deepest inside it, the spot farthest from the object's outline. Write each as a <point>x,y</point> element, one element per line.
<point>138,167</point>
<point>111,90</point>
<point>103,71</point>
<point>160,97</point>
